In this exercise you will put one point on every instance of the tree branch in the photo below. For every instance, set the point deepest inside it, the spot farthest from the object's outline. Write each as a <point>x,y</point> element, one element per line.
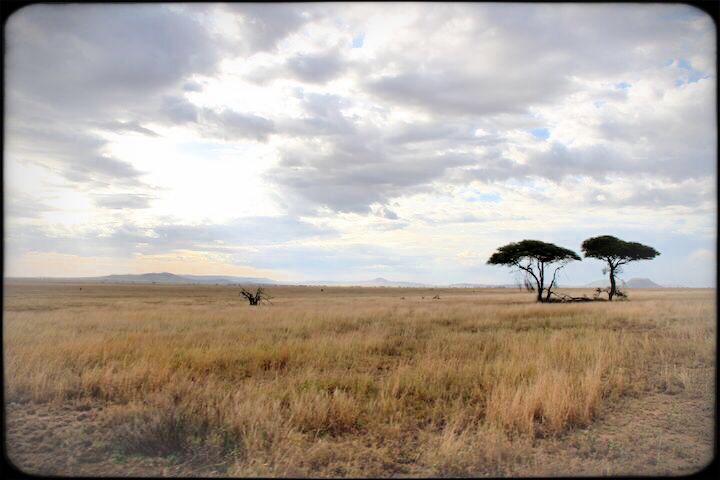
<point>552,283</point>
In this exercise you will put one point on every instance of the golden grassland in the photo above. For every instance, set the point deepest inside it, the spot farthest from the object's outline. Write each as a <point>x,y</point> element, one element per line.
<point>345,381</point>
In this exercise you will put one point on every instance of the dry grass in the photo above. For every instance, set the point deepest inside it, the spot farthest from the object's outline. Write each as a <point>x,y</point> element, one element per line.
<point>347,381</point>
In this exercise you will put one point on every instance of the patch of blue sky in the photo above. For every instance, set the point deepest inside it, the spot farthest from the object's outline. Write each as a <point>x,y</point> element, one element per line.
<point>526,183</point>
<point>486,197</point>
<point>541,133</point>
<point>693,75</point>
<point>623,86</point>
<point>358,40</point>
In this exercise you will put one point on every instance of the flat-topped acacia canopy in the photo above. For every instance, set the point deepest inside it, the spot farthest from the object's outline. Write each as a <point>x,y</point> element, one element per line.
<point>532,257</point>
<point>544,252</point>
<point>616,253</point>
<point>607,247</point>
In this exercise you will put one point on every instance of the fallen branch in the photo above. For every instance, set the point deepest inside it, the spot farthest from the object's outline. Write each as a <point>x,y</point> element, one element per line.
<point>562,298</point>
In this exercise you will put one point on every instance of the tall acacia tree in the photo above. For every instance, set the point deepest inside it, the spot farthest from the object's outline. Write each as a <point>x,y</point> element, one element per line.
<point>616,253</point>
<point>533,257</point>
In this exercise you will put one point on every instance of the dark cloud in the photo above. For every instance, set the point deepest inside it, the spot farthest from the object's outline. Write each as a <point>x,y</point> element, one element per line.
<point>178,110</point>
<point>601,162</point>
<point>442,129</point>
<point>100,169</point>
<point>354,175</point>
<point>315,68</point>
<point>322,116</point>
<point>77,156</point>
<point>262,26</point>
<point>122,127</point>
<point>509,58</point>
<point>123,201</point>
<point>103,56</point>
<point>225,123</point>
<point>385,212</point>
<point>685,194</point>
<point>559,161</point>
<point>20,205</point>
<point>609,159</point>
<point>231,125</point>
<point>454,90</point>
<point>75,68</point>
<point>357,166</point>
<point>192,86</point>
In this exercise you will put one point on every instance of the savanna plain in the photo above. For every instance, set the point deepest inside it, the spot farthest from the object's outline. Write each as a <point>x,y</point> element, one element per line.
<point>176,380</point>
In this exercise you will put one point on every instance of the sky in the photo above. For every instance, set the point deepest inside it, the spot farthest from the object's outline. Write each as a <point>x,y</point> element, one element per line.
<point>353,141</point>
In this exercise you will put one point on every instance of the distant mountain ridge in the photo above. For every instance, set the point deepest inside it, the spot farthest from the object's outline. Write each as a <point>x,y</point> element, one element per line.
<point>376,282</point>
<point>382,282</point>
<point>632,283</point>
<point>172,278</point>
<point>166,277</point>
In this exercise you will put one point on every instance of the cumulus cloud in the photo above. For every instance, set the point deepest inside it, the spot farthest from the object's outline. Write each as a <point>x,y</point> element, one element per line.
<point>224,123</point>
<point>72,69</point>
<point>262,26</point>
<point>103,57</point>
<point>360,111</point>
<point>352,175</point>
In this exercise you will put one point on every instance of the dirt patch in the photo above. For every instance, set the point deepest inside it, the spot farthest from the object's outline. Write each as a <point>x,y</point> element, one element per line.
<point>66,441</point>
<point>667,432</point>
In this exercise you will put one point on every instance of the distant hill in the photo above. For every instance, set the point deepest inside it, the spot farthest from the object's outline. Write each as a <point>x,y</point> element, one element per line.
<point>376,282</point>
<point>229,279</point>
<point>163,277</point>
<point>632,283</point>
<point>641,283</point>
<point>382,282</point>
<point>171,278</point>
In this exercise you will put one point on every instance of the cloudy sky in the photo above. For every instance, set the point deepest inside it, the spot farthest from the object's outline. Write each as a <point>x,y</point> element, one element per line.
<point>351,141</point>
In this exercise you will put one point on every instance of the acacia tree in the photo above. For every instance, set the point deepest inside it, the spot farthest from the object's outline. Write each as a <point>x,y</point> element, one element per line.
<point>616,253</point>
<point>533,256</point>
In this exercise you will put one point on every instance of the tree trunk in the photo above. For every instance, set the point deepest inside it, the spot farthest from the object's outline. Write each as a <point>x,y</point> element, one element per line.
<point>612,284</point>
<point>541,281</point>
